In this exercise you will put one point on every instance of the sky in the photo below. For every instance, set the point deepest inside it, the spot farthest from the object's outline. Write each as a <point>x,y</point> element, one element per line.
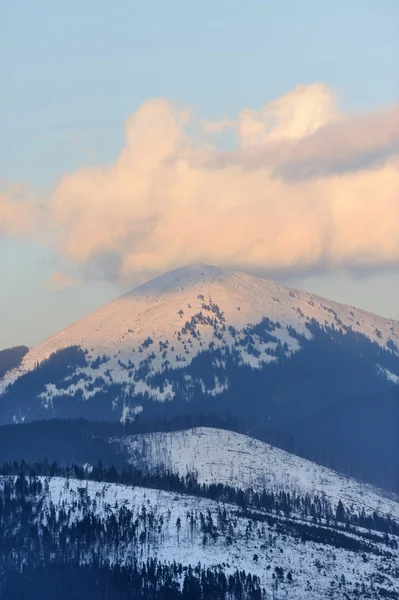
<point>139,137</point>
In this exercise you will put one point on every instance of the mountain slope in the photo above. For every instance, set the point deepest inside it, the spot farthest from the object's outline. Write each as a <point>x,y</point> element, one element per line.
<point>158,324</point>
<point>116,523</point>
<point>296,368</point>
<point>236,460</point>
<point>11,358</point>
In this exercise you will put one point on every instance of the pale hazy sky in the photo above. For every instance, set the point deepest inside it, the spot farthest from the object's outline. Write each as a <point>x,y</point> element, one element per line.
<point>139,136</point>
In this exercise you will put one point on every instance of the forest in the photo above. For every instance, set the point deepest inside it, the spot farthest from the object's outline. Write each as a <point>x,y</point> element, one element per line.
<point>314,509</point>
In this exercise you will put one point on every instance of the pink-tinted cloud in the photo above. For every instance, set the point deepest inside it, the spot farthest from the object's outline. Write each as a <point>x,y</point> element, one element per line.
<point>60,279</point>
<point>20,212</point>
<point>351,143</point>
<point>168,200</point>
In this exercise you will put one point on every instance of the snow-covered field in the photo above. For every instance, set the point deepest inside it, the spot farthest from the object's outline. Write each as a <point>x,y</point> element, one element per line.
<point>221,456</point>
<point>147,327</point>
<point>239,543</point>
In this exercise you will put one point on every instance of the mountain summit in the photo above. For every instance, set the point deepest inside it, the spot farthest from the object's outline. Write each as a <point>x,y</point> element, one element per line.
<point>296,368</point>
<point>169,320</point>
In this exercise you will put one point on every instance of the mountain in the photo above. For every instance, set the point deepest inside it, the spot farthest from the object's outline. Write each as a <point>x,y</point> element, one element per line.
<point>217,456</point>
<point>298,369</point>
<point>212,455</point>
<point>167,322</point>
<point>11,358</point>
<point>64,525</point>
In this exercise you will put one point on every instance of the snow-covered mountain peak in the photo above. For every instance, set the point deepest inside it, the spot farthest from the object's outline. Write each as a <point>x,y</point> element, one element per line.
<point>188,276</point>
<point>168,321</point>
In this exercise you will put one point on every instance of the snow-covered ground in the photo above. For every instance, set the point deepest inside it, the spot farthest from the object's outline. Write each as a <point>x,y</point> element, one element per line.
<point>221,456</point>
<point>147,328</point>
<point>240,542</point>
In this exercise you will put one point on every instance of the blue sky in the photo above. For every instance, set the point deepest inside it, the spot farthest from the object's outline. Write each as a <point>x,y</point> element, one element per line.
<point>72,72</point>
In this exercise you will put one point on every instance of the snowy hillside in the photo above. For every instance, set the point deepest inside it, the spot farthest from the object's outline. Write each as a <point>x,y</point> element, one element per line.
<point>170,320</point>
<point>287,555</point>
<point>233,459</point>
<point>207,341</point>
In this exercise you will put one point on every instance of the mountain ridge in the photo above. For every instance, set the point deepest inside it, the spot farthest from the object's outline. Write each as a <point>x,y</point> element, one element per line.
<point>220,456</point>
<point>134,317</point>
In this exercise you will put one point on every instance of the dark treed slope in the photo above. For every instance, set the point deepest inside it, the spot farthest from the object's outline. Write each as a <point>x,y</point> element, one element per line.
<point>11,358</point>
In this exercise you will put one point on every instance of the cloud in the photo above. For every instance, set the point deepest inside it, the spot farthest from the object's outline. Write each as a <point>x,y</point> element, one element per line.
<point>296,193</point>
<point>60,280</point>
<point>20,212</point>
<point>352,143</point>
<point>297,114</point>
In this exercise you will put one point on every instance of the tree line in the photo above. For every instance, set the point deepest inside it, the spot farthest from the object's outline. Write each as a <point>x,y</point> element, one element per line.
<point>316,508</point>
